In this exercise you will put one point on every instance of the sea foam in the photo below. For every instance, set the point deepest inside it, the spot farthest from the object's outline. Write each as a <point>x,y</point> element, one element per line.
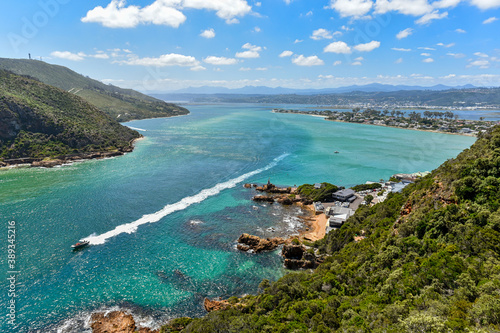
<point>131,227</point>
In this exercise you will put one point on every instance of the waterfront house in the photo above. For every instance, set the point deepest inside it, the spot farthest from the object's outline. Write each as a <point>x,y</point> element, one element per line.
<point>345,195</point>
<point>318,207</point>
<point>338,216</point>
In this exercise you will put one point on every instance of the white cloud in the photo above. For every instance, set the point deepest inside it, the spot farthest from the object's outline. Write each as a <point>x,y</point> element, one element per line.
<point>209,33</point>
<point>460,31</point>
<point>298,41</point>
<point>68,55</point>
<point>357,63</point>
<point>338,47</point>
<point>359,59</point>
<point>398,61</point>
<point>324,34</point>
<point>261,69</point>
<point>256,29</point>
<point>456,55</point>
<point>245,69</point>
<point>197,68</point>
<point>428,60</point>
<point>400,49</point>
<point>445,3</point>
<point>368,47</point>
<point>490,20</point>
<point>480,54</point>
<point>321,76</point>
<point>253,51</point>
<point>100,56</point>
<point>429,17</point>
<point>404,33</point>
<point>286,54</point>
<point>482,63</point>
<point>426,48</point>
<point>162,12</point>
<point>425,54</point>
<point>345,28</point>
<point>486,4</point>
<point>247,54</point>
<point>213,60</point>
<point>355,8</point>
<point>300,60</point>
<point>407,7</point>
<point>336,63</point>
<point>171,59</point>
<point>446,45</point>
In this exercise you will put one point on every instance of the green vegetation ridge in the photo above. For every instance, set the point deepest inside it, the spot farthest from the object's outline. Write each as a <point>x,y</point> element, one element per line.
<point>120,104</point>
<point>424,260</point>
<point>40,121</point>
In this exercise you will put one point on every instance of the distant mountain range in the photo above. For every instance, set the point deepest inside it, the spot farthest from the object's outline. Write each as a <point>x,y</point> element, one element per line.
<point>262,90</point>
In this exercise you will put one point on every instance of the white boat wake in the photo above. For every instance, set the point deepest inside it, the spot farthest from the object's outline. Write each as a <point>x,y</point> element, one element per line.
<point>131,227</point>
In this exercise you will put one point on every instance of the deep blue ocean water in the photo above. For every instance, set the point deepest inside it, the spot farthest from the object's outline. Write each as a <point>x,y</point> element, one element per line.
<point>163,220</point>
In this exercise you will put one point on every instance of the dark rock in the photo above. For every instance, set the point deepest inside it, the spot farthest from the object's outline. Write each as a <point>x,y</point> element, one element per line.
<point>293,251</point>
<point>263,198</point>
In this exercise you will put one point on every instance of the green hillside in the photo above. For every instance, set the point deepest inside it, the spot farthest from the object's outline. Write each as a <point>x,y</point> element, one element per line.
<point>429,262</point>
<point>38,121</point>
<point>120,104</point>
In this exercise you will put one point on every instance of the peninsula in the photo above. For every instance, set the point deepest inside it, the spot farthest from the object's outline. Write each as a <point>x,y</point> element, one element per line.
<point>434,121</point>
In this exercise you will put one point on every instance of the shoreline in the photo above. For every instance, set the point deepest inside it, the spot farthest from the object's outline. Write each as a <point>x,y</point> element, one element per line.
<point>404,128</point>
<point>317,224</point>
<point>70,159</point>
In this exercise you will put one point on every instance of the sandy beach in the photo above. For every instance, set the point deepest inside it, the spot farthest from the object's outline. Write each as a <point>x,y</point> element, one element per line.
<point>317,225</point>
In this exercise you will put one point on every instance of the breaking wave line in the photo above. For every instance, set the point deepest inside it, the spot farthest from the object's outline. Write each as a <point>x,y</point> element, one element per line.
<point>131,227</point>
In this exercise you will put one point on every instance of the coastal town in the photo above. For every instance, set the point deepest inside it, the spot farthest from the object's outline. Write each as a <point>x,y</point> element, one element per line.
<point>436,121</point>
<point>329,213</point>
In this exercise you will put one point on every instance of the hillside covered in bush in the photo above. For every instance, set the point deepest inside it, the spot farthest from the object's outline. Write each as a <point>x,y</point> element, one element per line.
<point>120,104</point>
<point>38,121</point>
<point>425,260</point>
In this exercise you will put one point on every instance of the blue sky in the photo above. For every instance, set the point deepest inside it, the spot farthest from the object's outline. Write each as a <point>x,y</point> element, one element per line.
<point>164,45</point>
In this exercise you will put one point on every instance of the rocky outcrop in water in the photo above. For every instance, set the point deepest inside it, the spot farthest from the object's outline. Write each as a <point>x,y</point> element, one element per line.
<point>116,322</point>
<point>256,244</point>
<point>263,198</point>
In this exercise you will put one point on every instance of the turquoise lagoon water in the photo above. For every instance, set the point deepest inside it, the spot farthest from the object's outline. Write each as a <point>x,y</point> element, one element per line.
<point>164,219</point>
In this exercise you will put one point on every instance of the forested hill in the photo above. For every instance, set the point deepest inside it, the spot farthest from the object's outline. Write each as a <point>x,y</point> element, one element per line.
<point>429,262</point>
<point>120,104</point>
<point>38,121</point>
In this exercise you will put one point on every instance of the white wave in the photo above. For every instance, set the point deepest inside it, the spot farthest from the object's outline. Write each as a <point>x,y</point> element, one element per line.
<point>131,227</point>
<point>137,129</point>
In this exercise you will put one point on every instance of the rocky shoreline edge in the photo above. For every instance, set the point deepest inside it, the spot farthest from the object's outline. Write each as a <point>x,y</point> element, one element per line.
<point>65,159</point>
<point>296,256</point>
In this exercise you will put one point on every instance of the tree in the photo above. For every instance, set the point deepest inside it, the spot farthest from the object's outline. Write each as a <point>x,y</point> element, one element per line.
<point>369,199</point>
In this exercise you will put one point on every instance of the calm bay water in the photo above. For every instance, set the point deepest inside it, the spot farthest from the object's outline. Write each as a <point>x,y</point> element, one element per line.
<point>164,219</point>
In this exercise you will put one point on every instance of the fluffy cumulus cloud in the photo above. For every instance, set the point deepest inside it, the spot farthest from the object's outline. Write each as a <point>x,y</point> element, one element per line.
<point>252,51</point>
<point>404,33</point>
<point>481,63</point>
<point>486,4</point>
<point>171,59</point>
<point>67,55</point>
<point>428,10</point>
<point>78,56</point>
<point>162,12</point>
<point>213,60</point>
<point>368,47</point>
<point>209,33</point>
<point>300,60</point>
<point>354,8</point>
<point>286,54</point>
<point>338,47</point>
<point>324,34</point>
<point>428,60</point>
